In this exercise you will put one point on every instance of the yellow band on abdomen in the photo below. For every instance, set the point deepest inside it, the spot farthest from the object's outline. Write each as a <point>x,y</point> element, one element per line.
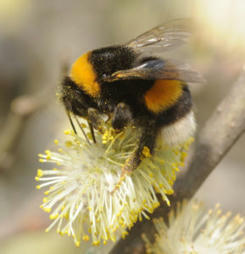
<point>162,95</point>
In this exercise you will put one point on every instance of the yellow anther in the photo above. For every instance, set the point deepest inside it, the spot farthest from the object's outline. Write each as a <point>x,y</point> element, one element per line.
<point>45,200</point>
<point>46,209</point>
<point>66,216</point>
<point>56,141</point>
<point>53,216</point>
<point>77,243</point>
<point>38,187</point>
<point>169,192</point>
<point>68,143</point>
<point>96,243</point>
<point>86,238</point>
<point>67,132</point>
<point>39,172</point>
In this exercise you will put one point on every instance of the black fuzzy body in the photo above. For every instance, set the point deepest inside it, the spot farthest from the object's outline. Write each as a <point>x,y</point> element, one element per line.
<point>116,96</point>
<point>106,61</point>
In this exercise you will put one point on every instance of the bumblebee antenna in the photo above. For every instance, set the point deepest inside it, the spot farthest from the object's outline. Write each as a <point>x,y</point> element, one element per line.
<point>92,131</point>
<point>82,130</point>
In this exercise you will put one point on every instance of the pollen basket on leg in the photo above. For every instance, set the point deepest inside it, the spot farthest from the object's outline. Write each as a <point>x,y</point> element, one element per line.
<point>162,95</point>
<point>83,74</point>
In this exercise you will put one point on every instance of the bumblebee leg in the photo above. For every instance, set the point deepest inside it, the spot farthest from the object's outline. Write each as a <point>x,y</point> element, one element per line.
<point>145,149</point>
<point>81,128</point>
<point>94,121</point>
<point>94,118</point>
<point>71,122</point>
<point>121,116</point>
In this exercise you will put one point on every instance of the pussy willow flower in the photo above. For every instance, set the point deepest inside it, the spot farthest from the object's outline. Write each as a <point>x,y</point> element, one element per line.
<point>79,190</point>
<point>194,230</point>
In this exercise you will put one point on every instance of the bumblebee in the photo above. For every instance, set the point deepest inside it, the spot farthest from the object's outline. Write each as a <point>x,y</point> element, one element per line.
<point>132,85</point>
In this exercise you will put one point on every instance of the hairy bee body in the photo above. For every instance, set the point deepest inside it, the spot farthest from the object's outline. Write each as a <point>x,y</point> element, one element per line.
<point>135,88</point>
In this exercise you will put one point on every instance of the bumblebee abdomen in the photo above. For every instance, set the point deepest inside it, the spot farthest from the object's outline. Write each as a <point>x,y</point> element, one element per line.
<point>178,110</point>
<point>179,131</point>
<point>162,95</point>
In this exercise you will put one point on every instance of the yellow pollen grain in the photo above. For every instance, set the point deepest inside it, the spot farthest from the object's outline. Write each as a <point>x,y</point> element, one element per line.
<point>146,152</point>
<point>56,141</point>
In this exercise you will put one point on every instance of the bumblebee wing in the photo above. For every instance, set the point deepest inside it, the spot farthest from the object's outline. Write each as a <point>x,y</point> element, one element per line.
<point>164,37</point>
<point>159,69</point>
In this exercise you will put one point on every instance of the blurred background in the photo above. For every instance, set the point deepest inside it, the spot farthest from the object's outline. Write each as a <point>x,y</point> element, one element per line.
<point>38,37</point>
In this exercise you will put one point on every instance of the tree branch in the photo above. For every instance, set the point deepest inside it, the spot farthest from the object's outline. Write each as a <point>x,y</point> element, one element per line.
<point>22,108</point>
<point>220,132</point>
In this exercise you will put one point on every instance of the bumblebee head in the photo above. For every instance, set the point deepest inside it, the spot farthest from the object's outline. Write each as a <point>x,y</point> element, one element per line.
<point>90,69</point>
<point>74,99</point>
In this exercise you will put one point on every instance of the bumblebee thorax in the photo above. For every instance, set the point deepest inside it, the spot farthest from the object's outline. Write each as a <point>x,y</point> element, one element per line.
<point>89,69</point>
<point>106,61</point>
